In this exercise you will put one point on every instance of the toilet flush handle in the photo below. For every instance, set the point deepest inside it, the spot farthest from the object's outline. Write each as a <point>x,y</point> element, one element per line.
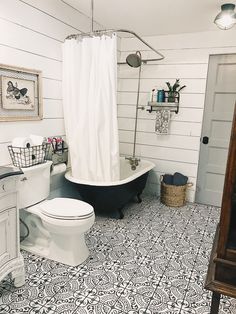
<point>24,179</point>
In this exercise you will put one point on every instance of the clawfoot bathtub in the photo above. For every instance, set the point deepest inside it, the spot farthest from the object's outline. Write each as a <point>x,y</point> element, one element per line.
<point>110,197</point>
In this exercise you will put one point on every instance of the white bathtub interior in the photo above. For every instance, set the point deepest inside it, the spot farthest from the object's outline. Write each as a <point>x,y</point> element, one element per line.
<point>126,173</point>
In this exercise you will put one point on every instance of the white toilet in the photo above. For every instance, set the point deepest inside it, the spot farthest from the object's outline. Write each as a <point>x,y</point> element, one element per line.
<point>57,226</point>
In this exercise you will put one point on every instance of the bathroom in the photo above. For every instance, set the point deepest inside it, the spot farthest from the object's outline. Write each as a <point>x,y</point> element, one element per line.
<point>141,263</point>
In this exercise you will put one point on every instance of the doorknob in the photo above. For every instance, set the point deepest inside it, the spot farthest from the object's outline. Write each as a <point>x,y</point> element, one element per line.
<point>205,139</point>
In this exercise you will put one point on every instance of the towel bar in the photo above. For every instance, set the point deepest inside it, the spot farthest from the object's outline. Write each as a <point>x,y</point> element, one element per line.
<point>154,106</point>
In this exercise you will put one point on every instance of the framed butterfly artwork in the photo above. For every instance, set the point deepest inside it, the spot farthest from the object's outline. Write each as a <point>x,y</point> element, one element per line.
<point>21,94</point>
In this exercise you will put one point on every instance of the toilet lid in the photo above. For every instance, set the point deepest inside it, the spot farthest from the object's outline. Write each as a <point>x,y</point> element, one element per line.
<point>67,208</point>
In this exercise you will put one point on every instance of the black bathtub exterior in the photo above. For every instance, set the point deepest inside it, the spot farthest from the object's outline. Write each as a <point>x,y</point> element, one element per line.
<point>110,200</point>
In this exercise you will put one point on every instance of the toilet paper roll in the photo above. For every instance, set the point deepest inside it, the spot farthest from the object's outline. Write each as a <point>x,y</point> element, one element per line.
<point>36,139</point>
<point>22,142</point>
<point>57,169</point>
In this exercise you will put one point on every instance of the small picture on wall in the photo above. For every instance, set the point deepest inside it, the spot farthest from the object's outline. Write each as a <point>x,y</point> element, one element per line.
<point>17,94</point>
<point>20,94</point>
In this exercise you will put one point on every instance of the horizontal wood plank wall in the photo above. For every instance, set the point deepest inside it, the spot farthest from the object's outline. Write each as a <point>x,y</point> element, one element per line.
<point>31,36</point>
<point>186,58</point>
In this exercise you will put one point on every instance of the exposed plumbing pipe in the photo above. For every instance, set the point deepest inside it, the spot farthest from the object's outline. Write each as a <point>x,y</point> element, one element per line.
<point>137,105</point>
<point>92,19</point>
<point>135,60</point>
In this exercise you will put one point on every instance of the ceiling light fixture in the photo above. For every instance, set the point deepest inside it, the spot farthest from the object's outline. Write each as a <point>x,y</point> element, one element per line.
<point>227,17</point>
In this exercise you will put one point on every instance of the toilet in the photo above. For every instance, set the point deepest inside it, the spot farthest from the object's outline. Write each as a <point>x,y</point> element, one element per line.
<point>56,227</point>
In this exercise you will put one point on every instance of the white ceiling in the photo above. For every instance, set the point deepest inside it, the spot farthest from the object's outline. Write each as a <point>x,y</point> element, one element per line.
<point>153,17</point>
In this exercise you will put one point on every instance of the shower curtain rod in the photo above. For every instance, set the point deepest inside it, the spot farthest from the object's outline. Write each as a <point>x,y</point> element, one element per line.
<point>100,32</point>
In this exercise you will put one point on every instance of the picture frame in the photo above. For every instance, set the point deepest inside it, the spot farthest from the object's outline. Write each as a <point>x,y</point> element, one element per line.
<point>20,94</point>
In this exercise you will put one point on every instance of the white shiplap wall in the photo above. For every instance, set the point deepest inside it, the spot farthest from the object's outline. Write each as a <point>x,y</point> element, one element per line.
<point>31,35</point>
<point>186,57</point>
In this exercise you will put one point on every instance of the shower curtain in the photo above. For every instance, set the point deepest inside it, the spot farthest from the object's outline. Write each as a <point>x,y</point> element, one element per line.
<point>90,108</point>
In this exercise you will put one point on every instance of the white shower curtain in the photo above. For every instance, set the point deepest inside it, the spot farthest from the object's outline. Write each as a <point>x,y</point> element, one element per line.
<point>90,109</point>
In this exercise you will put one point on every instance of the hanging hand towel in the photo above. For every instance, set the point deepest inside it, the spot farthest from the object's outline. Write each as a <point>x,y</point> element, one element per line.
<point>162,121</point>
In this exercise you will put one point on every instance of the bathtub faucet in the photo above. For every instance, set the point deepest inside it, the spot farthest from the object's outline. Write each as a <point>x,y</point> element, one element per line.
<point>134,161</point>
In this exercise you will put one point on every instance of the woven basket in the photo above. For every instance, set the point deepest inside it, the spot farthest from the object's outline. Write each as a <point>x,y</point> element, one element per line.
<point>173,195</point>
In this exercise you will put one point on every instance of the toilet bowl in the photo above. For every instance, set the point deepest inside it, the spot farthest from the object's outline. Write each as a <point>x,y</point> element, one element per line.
<point>57,226</point>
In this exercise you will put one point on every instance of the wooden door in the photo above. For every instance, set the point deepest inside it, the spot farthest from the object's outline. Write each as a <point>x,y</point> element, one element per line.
<point>217,122</point>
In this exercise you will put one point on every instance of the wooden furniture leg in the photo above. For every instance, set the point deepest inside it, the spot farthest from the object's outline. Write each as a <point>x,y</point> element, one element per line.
<point>215,303</point>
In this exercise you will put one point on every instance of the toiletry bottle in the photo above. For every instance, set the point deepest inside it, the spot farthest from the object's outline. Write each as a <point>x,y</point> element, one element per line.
<point>153,95</point>
<point>161,95</point>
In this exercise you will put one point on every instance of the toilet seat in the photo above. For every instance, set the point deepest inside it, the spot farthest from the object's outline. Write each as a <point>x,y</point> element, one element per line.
<point>67,208</point>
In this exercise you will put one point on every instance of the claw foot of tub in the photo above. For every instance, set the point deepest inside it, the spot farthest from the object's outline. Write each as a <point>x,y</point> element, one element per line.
<point>139,198</point>
<point>121,214</point>
<point>117,214</point>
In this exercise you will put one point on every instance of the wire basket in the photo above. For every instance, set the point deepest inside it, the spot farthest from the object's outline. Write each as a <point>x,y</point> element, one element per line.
<point>24,157</point>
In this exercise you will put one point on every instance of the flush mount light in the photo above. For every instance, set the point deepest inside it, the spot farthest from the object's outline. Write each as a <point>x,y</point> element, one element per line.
<point>227,17</point>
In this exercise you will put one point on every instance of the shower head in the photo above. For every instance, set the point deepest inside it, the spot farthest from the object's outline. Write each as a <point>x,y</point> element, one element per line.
<point>134,60</point>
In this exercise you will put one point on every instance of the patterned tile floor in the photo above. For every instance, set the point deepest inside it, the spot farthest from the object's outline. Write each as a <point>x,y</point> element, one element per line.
<point>152,261</point>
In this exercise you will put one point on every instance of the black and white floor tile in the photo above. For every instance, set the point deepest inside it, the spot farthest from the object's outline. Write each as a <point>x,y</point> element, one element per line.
<point>153,261</point>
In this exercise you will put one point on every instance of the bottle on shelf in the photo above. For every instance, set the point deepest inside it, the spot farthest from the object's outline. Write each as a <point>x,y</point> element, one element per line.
<point>153,95</point>
<point>161,95</point>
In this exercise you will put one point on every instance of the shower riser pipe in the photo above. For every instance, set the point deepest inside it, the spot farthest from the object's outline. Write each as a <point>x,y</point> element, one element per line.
<point>136,114</point>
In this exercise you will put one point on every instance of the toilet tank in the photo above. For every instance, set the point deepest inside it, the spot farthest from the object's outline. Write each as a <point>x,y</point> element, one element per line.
<point>34,185</point>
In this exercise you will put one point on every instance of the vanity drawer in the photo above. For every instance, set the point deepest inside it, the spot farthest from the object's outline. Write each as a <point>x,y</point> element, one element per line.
<point>7,185</point>
<point>7,201</point>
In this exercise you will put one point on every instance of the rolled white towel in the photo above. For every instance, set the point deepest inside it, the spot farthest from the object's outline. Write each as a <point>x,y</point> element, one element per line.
<point>36,139</point>
<point>22,142</point>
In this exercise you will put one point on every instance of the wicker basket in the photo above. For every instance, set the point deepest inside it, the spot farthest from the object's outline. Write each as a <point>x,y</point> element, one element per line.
<point>173,195</point>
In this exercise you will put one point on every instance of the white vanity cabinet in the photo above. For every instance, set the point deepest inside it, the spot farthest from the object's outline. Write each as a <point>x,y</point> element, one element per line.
<point>11,261</point>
